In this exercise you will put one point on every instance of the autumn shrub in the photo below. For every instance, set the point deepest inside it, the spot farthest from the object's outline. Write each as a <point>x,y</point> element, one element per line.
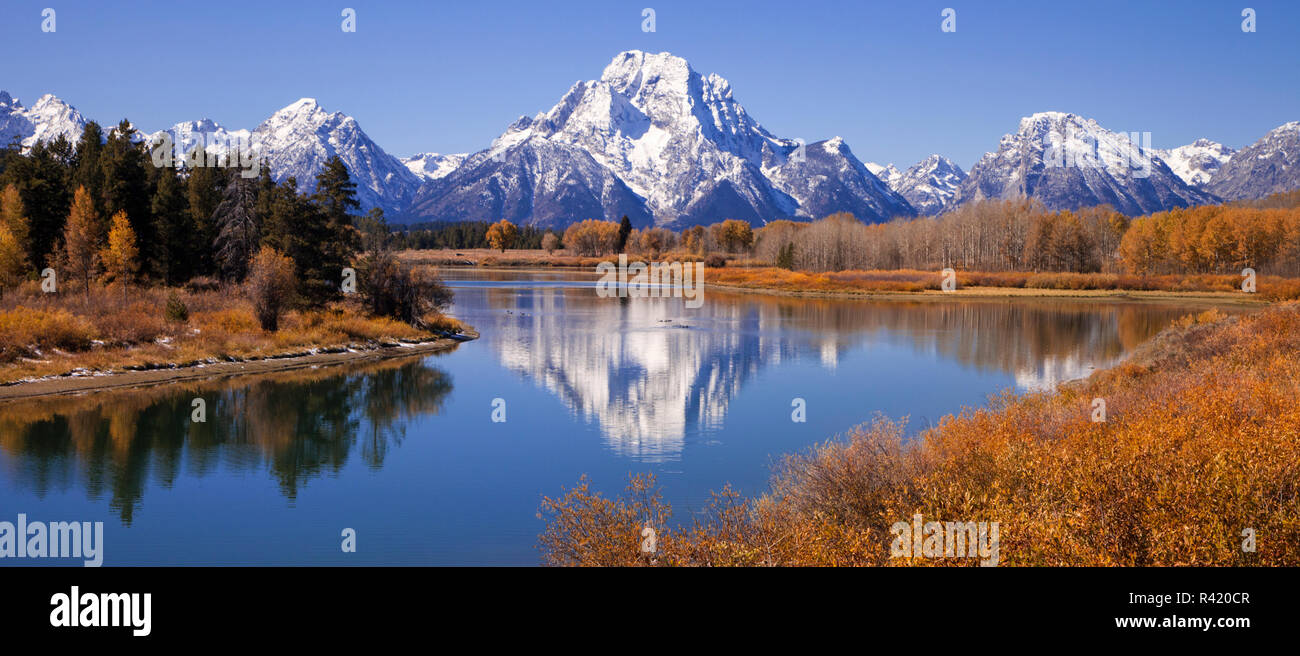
<point>391,288</point>
<point>443,324</point>
<point>24,332</point>
<point>270,286</point>
<point>1200,441</point>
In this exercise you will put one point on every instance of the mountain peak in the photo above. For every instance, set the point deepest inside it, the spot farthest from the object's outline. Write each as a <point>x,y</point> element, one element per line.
<point>46,120</point>
<point>300,107</point>
<point>632,70</point>
<point>1069,161</point>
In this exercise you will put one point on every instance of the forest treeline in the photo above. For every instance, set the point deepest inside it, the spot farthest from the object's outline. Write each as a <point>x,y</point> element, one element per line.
<point>102,211</point>
<point>1021,235</point>
<point>60,202</point>
<point>990,236</point>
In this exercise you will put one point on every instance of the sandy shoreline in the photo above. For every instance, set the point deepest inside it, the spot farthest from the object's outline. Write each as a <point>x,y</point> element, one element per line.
<point>65,385</point>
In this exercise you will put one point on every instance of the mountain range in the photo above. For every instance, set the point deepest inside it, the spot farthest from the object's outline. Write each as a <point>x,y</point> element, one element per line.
<point>656,141</point>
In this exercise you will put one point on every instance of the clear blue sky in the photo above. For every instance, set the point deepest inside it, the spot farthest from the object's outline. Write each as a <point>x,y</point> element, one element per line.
<point>450,76</point>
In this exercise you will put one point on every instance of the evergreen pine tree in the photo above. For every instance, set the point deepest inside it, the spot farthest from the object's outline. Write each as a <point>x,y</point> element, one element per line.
<point>175,249</point>
<point>239,230</point>
<point>42,178</point>
<point>204,190</point>
<point>624,230</point>
<point>86,169</point>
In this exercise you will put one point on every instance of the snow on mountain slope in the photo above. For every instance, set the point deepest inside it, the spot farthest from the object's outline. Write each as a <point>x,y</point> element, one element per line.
<point>431,166</point>
<point>1265,167</point>
<point>46,120</point>
<point>829,179</point>
<point>298,139</point>
<point>888,174</point>
<point>1068,161</point>
<point>681,142</point>
<point>931,184</point>
<point>1196,162</point>
<point>535,182</point>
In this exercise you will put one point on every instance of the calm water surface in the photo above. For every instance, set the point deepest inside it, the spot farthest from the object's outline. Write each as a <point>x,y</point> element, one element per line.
<point>406,453</point>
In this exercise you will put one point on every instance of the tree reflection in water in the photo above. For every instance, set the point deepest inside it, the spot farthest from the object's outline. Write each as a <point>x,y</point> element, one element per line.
<point>297,425</point>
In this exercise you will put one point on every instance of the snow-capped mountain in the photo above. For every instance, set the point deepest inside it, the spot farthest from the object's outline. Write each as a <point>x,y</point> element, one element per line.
<point>827,179</point>
<point>931,184</point>
<point>44,121</point>
<point>431,166</point>
<point>1265,167</point>
<point>1067,161</point>
<point>1196,162</point>
<point>300,138</point>
<point>679,142</point>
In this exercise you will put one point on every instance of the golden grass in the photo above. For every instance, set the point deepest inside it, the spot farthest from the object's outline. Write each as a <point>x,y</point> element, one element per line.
<point>1201,442</point>
<point>1270,288</point>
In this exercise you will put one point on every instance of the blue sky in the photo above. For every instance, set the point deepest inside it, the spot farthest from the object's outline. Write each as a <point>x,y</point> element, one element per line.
<point>448,77</point>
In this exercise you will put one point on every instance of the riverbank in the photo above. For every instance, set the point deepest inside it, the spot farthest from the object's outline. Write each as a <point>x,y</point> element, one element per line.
<point>747,276</point>
<point>166,373</point>
<point>77,342</point>
<point>1192,299</point>
<point>1187,453</point>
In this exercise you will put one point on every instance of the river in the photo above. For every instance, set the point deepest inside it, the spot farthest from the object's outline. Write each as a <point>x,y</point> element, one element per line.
<point>412,454</point>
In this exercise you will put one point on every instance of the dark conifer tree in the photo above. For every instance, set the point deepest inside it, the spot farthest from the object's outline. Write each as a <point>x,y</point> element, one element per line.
<point>86,168</point>
<point>238,227</point>
<point>624,231</point>
<point>177,243</point>
<point>204,189</point>
<point>42,177</point>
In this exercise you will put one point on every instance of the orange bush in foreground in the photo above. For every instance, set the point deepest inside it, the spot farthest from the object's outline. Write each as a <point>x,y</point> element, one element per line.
<point>1201,443</point>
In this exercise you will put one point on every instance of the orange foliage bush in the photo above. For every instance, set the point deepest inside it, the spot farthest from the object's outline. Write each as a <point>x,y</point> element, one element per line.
<point>1201,441</point>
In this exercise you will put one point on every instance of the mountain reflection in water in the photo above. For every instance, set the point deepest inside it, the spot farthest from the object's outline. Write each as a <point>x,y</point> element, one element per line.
<point>651,371</point>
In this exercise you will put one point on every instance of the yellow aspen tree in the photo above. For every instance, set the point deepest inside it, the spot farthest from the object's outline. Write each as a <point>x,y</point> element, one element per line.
<point>13,215</point>
<point>80,256</point>
<point>121,256</point>
<point>502,235</point>
<point>13,261</point>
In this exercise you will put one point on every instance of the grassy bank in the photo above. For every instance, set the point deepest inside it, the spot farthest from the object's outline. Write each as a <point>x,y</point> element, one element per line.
<point>115,329</point>
<point>1013,283</point>
<point>746,274</point>
<point>1201,441</point>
